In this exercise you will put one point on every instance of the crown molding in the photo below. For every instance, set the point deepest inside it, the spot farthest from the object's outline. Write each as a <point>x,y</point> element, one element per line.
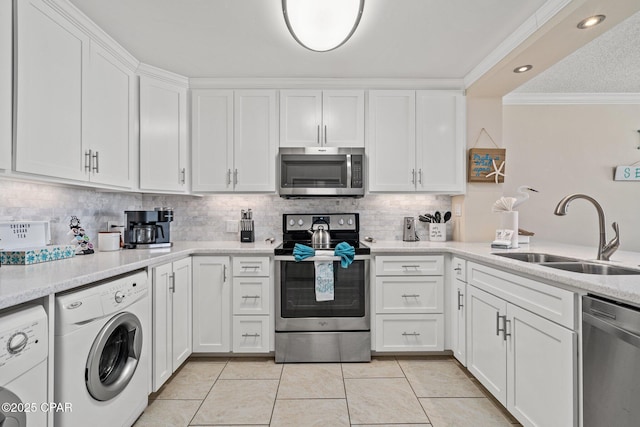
<point>146,70</point>
<point>570,98</point>
<point>324,83</point>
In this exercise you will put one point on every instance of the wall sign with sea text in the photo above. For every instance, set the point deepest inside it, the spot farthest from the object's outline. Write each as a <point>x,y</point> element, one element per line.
<point>487,164</point>
<point>627,173</point>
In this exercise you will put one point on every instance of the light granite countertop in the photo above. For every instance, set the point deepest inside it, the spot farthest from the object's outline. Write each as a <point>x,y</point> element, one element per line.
<point>19,284</point>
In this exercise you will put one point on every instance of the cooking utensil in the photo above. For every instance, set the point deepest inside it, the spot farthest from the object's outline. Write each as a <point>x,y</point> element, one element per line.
<point>423,218</point>
<point>438,217</point>
<point>447,216</point>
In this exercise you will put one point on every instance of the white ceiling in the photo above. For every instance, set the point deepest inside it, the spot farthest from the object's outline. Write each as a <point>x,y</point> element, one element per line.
<point>429,39</point>
<point>607,64</point>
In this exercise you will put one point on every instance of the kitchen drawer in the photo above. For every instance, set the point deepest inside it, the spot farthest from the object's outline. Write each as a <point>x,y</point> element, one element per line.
<point>555,304</point>
<point>398,294</point>
<point>251,295</point>
<point>459,268</point>
<point>410,332</point>
<point>410,265</point>
<point>251,266</point>
<point>251,334</point>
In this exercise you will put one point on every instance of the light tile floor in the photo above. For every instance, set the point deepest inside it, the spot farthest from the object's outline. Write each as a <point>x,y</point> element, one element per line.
<point>389,391</point>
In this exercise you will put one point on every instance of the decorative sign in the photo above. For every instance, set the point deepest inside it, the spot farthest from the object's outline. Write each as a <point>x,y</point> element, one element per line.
<point>627,173</point>
<point>487,164</point>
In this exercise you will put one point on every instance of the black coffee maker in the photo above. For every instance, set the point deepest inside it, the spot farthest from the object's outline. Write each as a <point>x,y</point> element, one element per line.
<point>148,229</point>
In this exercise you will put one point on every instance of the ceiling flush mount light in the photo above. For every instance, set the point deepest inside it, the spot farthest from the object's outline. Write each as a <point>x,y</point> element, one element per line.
<point>522,69</point>
<point>591,21</point>
<point>322,25</point>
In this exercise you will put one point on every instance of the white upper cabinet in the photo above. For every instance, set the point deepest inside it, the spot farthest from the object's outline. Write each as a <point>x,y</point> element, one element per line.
<point>75,100</point>
<point>440,141</point>
<point>315,118</point>
<point>5,85</point>
<point>110,116</point>
<point>392,140</point>
<point>163,134</point>
<point>416,141</point>
<point>52,56</point>
<point>234,140</point>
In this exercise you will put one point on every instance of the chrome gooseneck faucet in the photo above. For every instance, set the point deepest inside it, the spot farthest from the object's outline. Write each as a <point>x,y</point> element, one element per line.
<point>605,250</point>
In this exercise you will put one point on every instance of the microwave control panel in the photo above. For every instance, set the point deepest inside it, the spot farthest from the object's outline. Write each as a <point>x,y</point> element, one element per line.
<point>356,171</point>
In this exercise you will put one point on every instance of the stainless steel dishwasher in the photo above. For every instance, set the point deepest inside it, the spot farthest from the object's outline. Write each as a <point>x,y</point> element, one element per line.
<point>611,363</point>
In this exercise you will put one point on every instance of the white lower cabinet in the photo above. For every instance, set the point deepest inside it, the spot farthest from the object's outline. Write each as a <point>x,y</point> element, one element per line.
<point>252,314</point>
<point>526,361</point>
<point>172,316</point>
<point>409,303</point>
<point>211,304</point>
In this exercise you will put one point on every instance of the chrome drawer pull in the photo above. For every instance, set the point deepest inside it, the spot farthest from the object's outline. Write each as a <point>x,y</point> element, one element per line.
<point>250,335</point>
<point>498,329</point>
<point>411,296</point>
<point>460,305</point>
<point>254,267</point>
<point>407,334</point>
<point>411,266</point>
<point>250,296</point>
<point>506,334</point>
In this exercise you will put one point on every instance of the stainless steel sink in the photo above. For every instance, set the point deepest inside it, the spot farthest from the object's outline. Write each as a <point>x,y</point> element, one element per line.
<point>536,257</point>
<point>593,268</point>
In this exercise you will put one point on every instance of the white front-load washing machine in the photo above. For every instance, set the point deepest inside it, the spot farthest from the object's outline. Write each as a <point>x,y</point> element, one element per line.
<point>24,347</point>
<point>102,345</point>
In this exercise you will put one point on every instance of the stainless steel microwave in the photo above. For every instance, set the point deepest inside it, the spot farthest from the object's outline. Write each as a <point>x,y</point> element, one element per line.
<point>321,172</point>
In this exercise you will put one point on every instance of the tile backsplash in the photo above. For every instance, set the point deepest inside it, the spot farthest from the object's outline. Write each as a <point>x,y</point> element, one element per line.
<point>204,218</point>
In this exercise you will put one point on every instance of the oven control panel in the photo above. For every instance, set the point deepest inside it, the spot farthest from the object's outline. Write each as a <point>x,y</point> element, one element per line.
<point>335,222</point>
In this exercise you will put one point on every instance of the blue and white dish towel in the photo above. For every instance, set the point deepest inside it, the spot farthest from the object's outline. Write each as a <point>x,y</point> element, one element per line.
<point>324,280</point>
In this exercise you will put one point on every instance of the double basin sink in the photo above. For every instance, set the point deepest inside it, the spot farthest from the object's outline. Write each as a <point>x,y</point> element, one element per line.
<point>569,264</point>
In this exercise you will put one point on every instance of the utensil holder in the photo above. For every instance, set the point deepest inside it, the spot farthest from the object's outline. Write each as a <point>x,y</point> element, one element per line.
<point>437,232</point>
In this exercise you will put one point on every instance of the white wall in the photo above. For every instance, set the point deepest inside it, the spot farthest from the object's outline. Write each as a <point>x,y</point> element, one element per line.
<point>564,149</point>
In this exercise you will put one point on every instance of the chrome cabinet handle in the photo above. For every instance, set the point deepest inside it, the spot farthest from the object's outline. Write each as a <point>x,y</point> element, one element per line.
<point>411,296</point>
<point>411,266</point>
<point>325,134</point>
<point>254,267</point>
<point>87,161</point>
<point>235,176</point>
<point>224,273</point>
<point>96,166</point>
<point>420,176</point>
<point>318,135</point>
<point>458,269</point>
<point>172,287</point>
<point>460,305</point>
<point>408,334</point>
<point>228,177</point>
<point>250,335</point>
<point>250,296</point>
<point>183,173</point>
<point>413,176</point>
<point>498,317</point>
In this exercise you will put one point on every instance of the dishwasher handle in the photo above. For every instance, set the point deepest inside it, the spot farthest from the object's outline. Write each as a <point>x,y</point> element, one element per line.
<point>611,329</point>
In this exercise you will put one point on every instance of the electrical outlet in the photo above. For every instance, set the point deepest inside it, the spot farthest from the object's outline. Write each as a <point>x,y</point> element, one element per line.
<point>233,226</point>
<point>457,210</point>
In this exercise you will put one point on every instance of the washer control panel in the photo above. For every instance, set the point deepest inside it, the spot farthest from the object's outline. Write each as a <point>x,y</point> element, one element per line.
<point>23,341</point>
<point>124,292</point>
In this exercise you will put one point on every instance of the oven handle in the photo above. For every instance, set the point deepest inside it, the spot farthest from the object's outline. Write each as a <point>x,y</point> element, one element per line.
<point>320,258</point>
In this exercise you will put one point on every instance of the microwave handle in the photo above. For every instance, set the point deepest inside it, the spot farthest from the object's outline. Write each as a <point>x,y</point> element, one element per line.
<point>349,182</point>
<point>318,135</point>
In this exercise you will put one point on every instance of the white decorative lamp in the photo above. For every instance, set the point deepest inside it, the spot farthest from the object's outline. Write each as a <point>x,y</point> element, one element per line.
<point>322,25</point>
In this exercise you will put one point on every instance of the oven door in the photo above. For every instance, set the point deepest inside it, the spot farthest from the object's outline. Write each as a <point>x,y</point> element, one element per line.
<point>296,305</point>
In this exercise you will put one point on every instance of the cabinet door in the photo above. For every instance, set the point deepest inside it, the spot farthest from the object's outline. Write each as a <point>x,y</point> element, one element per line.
<point>109,130</point>
<point>343,118</point>
<point>440,141</point>
<point>251,334</point>
<point>542,370</point>
<point>52,55</point>
<point>418,294</point>
<point>212,140</point>
<point>409,332</point>
<point>182,316</point>
<point>211,305</point>
<point>255,140</point>
<point>251,295</point>
<point>163,136</point>
<point>300,118</point>
<point>162,329</point>
<point>5,84</point>
<point>486,344</point>
<point>458,321</point>
<point>392,140</point>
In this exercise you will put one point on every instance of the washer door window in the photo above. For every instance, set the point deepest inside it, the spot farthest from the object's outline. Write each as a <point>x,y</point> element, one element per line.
<point>114,356</point>
<point>12,418</point>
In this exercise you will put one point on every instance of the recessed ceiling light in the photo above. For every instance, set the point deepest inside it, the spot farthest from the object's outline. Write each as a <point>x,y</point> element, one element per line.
<point>590,21</point>
<point>522,69</point>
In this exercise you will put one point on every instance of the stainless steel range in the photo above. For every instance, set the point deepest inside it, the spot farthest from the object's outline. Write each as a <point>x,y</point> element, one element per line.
<point>308,328</point>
